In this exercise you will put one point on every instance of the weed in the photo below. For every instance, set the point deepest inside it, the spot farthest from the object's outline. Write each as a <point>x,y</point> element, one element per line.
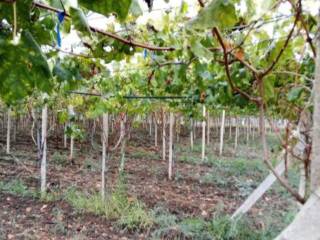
<point>16,187</point>
<point>59,226</point>
<point>49,196</point>
<point>59,159</point>
<point>91,164</point>
<point>135,217</point>
<point>129,212</point>
<point>216,179</point>
<point>194,228</point>
<point>223,228</point>
<point>142,154</point>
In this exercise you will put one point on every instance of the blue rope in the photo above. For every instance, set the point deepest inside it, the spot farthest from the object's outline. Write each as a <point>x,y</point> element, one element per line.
<point>61,16</point>
<point>145,53</point>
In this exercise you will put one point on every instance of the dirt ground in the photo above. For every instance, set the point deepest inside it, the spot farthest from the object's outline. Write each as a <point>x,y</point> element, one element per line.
<point>26,218</point>
<point>146,180</point>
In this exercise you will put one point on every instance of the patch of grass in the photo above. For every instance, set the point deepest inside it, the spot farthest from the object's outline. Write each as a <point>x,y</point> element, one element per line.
<point>59,227</point>
<point>238,172</point>
<point>59,159</point>
<point>17,187</point>
<point>219,228</point>
<point>190,159</point>
<point>129,212</point>
<point>293,179</point>
<point>91,164</point>
<point>142,154</point>
<point>49,196</point>
<point>223,228</point>
<point>195,228</point>
<point>216,179</point>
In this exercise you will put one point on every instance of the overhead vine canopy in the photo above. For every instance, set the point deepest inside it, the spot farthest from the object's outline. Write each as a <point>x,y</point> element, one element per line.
<point>218,52</point>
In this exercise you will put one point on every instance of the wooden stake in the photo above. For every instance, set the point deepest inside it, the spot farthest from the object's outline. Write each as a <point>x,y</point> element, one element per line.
<point>171,122</point>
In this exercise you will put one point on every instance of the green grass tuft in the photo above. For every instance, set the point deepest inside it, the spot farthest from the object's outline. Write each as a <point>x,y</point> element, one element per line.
<point>129,212</point>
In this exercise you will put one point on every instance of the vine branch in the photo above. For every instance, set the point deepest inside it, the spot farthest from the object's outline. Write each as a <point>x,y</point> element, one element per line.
<point>275,61</point>
<point>215,32</point>
<point>109,34</point>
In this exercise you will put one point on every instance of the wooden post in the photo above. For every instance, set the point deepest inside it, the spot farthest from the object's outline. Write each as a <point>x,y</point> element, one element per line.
<point>71,112</point>
<point>163,135</point>
<point>123,143</point>
<point>43,168</point>
<point>171,122</point>
<point>247,129</point>
<point>230,127</point>
<point>8,130</point>
<point>65,136</point>
<point>203,145</point>
<point>236,136</point>
<point>191,134</point>
<point>259,191</point>
<point>155,132</point>
<point>105,140</point>
<point>222,132</point>
<point>208,128</point>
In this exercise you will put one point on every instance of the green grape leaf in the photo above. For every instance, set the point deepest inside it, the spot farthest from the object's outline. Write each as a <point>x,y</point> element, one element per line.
<point>294,93</point>
<point>199,50</point>
<point>269,87</point>
<point>79,20</point>
<point>219,13</point>
<point>106,7</point>
<point>135,8</point>
<point>24,68</point>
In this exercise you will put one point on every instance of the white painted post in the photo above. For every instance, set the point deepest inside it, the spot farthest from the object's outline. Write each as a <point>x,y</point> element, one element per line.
<point>155,132</point>
<point>203,145</point>
<point>222,132</point>
<point>71,112</point>
<point>43,168</point>
<point>171,122</point>
<point>163,136</point>
<point>259,191</point>
<point>208,128</point>
<point>191,134</point>
<point>236,136</point>
<point>8,130</point>
<point>65,136</point>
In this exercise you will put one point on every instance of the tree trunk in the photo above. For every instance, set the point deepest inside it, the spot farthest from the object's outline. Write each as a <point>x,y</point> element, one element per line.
<point>203,145</point>
<point>8,130</point>
<point>263,133</point>
<point>170,146</point>
<point>43,168</point>
<point>105,139</point>
<point>222,131</point>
